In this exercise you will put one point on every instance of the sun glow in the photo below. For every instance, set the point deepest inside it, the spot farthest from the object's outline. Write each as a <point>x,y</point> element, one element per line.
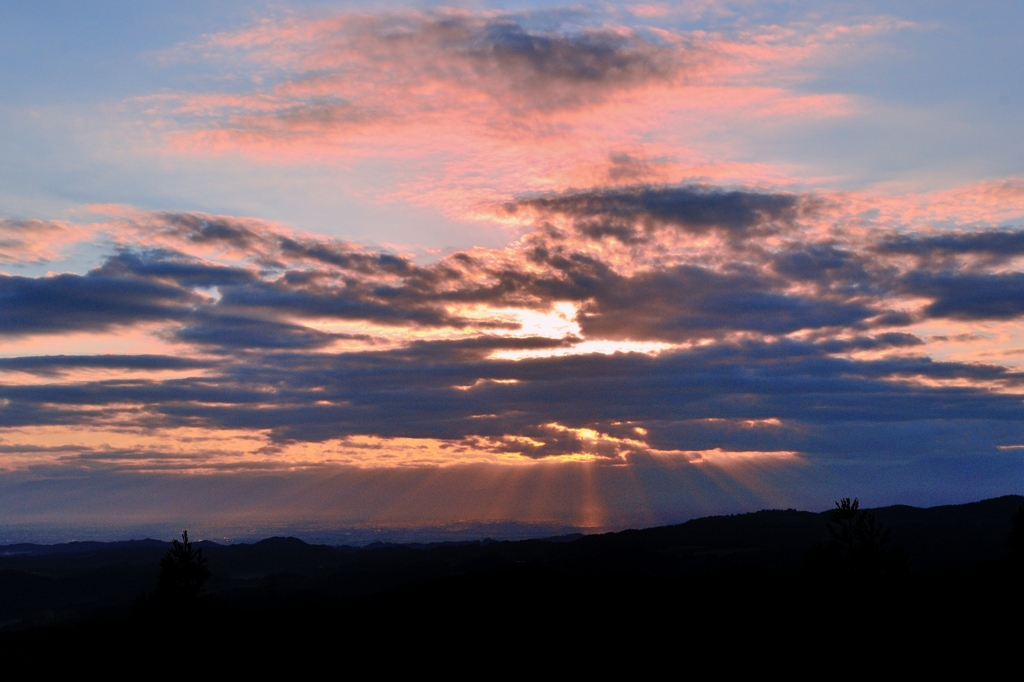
<point>587,347</point>
<point>557,322</point>
<point>720,457</point>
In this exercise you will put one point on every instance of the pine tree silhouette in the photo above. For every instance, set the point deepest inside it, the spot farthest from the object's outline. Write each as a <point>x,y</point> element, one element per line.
<point>183,572</point>
<point>858,543</point>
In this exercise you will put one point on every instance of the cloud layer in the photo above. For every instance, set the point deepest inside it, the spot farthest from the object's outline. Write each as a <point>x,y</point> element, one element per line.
<point>672,321</point>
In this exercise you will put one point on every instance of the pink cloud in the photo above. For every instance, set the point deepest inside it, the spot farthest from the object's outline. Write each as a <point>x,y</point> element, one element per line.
<point>462,100</point>
<point>35,241</point>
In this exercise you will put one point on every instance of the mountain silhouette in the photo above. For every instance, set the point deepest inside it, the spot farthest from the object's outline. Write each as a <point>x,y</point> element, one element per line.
<point>719,570</point>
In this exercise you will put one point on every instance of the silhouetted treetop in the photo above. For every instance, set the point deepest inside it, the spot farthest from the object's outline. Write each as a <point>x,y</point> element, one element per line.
<point>858,543</point>
<point>183,571</point>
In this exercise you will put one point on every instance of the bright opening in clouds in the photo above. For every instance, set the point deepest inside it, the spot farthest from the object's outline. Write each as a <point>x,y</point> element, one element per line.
<point>425,266</point>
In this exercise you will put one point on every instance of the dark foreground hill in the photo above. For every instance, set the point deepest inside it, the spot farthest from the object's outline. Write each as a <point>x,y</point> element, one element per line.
<point>725,575</point>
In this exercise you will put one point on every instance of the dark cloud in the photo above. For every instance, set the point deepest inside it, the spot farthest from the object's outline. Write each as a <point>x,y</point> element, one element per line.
<point>969,296</point>
<point>53,364</point>
<point>878,342</point>
<point>95,301</point>
<point>534,60</point>
<point>162,264</point>
<point>202,229</point>
<point>384,304</point>
<point>998,244</point>
<point>632,214</point>
<point>835,269</point>
<point>346,258</point>
<point>159,284</point>
<point>687,302</point>
<point>233,331</point>
<point>893,318</point>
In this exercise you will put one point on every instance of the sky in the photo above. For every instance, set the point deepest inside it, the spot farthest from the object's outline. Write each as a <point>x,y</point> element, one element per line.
<point>420,269</point>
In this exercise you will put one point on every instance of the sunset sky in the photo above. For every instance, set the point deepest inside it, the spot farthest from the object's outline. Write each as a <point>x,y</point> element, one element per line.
<point>312,267</point>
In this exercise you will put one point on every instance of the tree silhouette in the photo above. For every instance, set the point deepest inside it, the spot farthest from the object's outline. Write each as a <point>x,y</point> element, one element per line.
<point>843,527</point>
<point>183,572</point>
<point>858,543</point>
